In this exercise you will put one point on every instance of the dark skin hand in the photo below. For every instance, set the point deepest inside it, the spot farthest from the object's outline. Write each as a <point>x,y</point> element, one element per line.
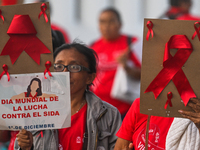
<point>194,115</point>
<point>123,144</point>
<point>25,139</point>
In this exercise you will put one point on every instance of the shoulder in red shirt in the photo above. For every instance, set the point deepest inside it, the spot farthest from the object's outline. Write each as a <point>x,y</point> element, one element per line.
<point>134,128</point>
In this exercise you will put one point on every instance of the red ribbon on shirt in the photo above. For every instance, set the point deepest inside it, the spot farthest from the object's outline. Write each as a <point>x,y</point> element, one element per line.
<point>150,31</point>
<point>23,38</point>
<point>172,69</point>
<point>1,16</point>
<point>5,71</point>
<point>43,8</point>
<point>47,65</point>
<point>197,30</point>
<point>169,96</point>
<point>41,133</point>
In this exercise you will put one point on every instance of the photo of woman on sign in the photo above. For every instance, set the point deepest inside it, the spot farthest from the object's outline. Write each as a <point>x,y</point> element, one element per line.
<point>34,89</point>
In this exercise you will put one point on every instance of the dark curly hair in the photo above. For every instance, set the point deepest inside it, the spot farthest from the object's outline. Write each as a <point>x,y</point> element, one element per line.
<point>39,90</point>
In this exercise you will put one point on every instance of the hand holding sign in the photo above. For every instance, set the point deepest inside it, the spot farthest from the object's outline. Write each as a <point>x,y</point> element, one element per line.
<point>194,115</point>
<point>25,139</point>
<point>30,103</point>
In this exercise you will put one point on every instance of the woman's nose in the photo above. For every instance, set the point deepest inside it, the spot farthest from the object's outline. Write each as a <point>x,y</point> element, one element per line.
<point>65,69</point>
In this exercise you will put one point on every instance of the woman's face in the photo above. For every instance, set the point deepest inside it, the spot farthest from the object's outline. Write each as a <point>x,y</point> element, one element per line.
<point>34,86</point>
<point>109,25</point>
<point>78,80</point>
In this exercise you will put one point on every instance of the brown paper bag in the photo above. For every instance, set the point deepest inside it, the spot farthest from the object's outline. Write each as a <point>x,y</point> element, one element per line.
<point>24,63</point>
<point>152,64</point>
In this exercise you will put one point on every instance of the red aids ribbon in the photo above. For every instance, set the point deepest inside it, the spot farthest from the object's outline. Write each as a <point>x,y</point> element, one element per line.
<point>1,16</point>
<point>197,30</point>
<point>169,96</point>
<point>150,31</point>
<point>23,38</point>
<point>41,133</point>
<point>43,9</point>
<point>172,69</point>
<point>47,65</point>
<point>5,71</point>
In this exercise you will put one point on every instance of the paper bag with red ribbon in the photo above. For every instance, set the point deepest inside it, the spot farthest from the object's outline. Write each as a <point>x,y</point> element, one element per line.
<point>26,42</point>
<point>170,66</point>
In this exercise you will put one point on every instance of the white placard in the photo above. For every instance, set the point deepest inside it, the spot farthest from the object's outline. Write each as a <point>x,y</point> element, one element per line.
<point>25,103</point>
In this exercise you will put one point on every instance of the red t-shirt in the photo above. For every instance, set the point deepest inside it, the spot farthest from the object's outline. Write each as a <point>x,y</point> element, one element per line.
<point>188,17</point>
<point>12,139</point>
<point>177,13</point>
<point>72,137</point>
<point>107,52</point>
<point>134,128</point>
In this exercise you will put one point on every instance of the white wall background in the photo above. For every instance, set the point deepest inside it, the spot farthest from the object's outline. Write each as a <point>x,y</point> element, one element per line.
<point>80,17</point>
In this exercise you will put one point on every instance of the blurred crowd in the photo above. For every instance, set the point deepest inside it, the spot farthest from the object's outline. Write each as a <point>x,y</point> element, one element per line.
<point>114,50</point>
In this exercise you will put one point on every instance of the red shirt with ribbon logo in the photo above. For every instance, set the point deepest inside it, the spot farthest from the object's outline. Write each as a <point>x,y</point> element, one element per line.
<point>134,124</point>
<point>72,138</point>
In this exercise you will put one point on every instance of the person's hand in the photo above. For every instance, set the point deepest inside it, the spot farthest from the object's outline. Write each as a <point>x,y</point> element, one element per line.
<point>123,58</point>
<point>25,139</point>
<point>123,144</point>
<point>194,115</point>
<point>131,146</point>
<point>133,72</point>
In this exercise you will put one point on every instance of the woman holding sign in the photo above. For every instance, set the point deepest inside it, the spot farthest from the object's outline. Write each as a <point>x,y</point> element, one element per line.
<point>94,123</point>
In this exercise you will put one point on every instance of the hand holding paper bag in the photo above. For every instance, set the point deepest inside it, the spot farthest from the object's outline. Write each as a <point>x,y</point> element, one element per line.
<point>194,115</point>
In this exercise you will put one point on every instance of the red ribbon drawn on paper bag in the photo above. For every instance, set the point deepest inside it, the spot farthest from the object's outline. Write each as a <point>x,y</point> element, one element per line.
<point>172,69</point>
<point>197,29</point>
<point>43,8</point>
<point>150,31</point>
<point>5,71</point>
<point>23,38</point>
<point>47,65</point>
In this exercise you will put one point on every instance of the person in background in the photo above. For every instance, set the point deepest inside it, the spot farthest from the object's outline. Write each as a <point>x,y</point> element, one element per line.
<point>55,26</point>
<point>112,49</point>
<point>180,10</point>
<point>164,132</point>
<point>94,123</point>
<point>133,130</point>
<point>57,39</point>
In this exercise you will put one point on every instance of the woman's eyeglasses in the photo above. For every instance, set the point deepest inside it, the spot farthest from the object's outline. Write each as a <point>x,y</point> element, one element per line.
<point>70,68</point>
